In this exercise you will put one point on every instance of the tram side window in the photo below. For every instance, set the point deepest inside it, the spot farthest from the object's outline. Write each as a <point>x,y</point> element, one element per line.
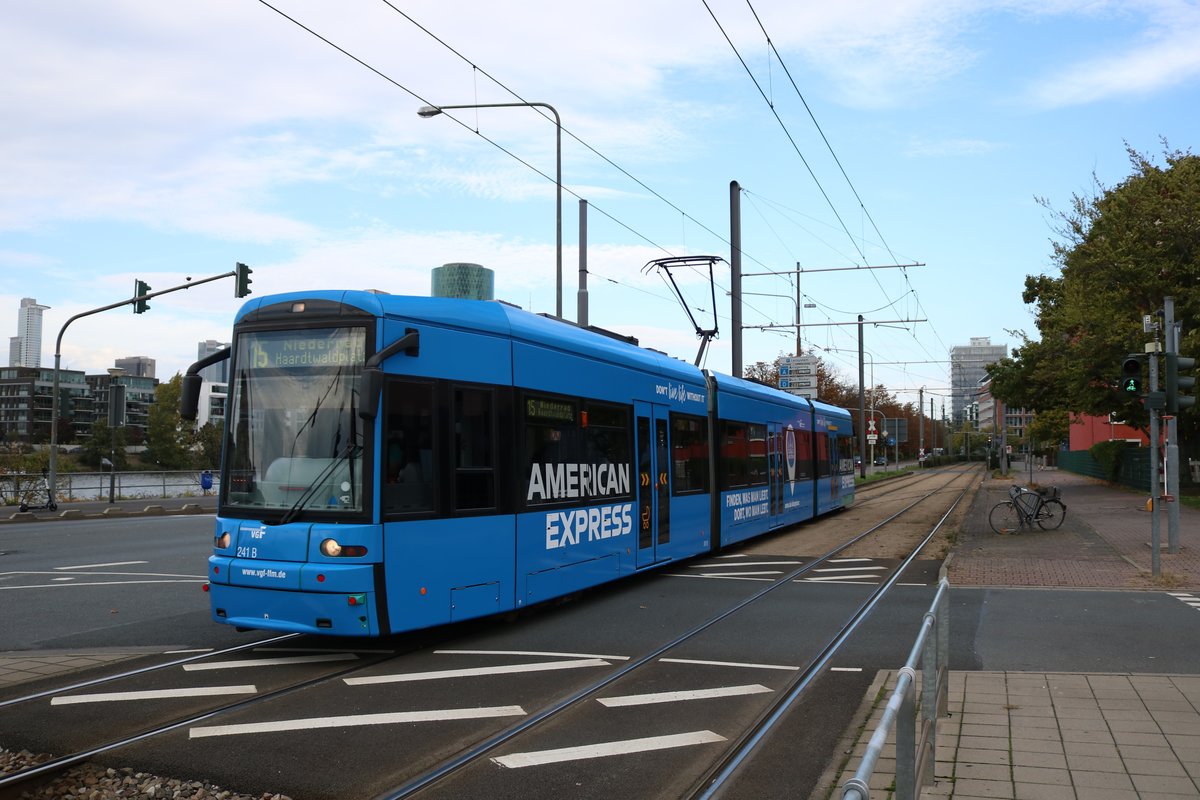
<point>604,467</point>
<point>689,454</point>
<point>474,450</point>
<point>759,468</point>
<point>845,452</point>
<point>551,443</point>
<point>804,455</point>
<point>408,447</point>
<point>575,450</point>
<point>824,456</point>
<point>735,456</point>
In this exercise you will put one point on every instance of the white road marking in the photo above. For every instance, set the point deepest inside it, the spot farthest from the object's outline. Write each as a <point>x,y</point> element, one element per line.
<point>605,749</point>
<point>270,662</point>
<point>718,576</point>
<point>727,664</point>
<point>849,560</point>
<point>675,697</point>
<point>152,694</point>
<point>110,564</point>
<point>847,569</point>
<point>64,579</point>
<point>748,564</point>
<point>845,669</point>
<point>528,653</point>
<point>98,583</point>
<point>838,578</point>
<point>357,720</point>
<point>321,650</point>
<point>182,652</point>
<point>438,675</point>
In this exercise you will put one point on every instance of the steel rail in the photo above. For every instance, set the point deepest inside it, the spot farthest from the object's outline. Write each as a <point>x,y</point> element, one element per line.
<point>144,670</point>
<point>475,752</point>
<point>716,777</point>
<point>55,765</point>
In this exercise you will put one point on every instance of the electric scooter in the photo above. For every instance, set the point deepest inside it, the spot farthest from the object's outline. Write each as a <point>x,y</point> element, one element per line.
<point>49,505</point>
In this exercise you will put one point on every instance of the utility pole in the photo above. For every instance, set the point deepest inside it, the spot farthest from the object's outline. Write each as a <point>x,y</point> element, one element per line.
<point>921,426</point>
<point>735,275</point>
<point>862,407</point>
<point>1172,415</point>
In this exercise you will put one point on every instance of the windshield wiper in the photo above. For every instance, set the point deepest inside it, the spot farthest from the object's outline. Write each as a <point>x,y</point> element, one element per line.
<point>347,452</point>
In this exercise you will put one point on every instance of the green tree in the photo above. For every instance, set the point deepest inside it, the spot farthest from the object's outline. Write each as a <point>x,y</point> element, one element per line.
<point>1049,428</point>
<point>103,444</point>
<point>168,439</point>
<point>1121,251</point>
<point>209,440</point>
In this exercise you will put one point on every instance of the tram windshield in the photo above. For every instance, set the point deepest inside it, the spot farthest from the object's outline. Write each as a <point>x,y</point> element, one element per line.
<point>295,439</point>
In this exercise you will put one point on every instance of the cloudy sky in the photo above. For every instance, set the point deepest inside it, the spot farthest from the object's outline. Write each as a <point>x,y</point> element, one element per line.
<point>168,141</point>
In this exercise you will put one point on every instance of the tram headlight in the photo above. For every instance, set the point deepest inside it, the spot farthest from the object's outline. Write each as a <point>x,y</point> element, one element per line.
<point>221,542</point>
<point>334,549</point>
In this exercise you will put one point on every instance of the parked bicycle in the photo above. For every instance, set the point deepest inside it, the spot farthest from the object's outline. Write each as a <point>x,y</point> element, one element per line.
<point>1025,507</point>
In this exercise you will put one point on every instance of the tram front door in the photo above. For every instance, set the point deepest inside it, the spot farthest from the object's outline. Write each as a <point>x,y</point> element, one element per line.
<point>653,521</point>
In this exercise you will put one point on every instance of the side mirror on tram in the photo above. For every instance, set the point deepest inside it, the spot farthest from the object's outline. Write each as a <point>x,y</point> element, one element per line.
<point>372,375</point>
<point>372,385</point>
<point>189,397</point>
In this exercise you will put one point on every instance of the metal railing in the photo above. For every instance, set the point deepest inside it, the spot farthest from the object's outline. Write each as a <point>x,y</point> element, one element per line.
<point>95,485</point>
<point>915,755</point>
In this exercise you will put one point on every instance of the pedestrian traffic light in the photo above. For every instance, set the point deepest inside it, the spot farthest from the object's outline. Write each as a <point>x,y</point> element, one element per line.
<point>1131,375</point>
<point>241,280</point>
<point>140,288</point>
<point>1176,383</point>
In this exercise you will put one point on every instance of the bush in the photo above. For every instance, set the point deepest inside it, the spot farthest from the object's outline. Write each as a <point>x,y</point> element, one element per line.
<point>1108,456</point>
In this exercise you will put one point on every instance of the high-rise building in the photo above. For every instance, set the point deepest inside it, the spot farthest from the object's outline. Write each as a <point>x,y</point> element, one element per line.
<point>25,349</point>
<point>468,281</point>
<point>214,373</point>
<point>139,366</point>
<point>968,366</point>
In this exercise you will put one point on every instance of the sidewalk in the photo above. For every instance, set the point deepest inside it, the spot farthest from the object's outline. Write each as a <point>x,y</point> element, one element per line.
<point>99,509</point>
<point>1057,736</point>
<point>1104,542</point>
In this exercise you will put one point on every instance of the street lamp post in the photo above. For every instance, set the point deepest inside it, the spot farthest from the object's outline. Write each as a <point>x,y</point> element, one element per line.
<point>433,111</point>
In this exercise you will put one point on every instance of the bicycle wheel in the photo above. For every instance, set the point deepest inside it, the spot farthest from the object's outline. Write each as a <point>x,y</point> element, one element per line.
<point>1051,515</point>
<point>1005,518</point>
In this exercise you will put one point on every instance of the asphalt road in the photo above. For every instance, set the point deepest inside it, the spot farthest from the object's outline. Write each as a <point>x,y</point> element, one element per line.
<point>112,583</point>
<point>135,583</point>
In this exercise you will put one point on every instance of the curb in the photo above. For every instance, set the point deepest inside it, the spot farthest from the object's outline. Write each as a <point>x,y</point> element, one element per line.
<point>108,513</point>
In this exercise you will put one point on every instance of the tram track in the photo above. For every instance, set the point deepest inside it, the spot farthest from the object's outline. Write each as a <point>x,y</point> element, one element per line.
<point>437,780</point>
<point>743,746</point>
<point>46,770</point>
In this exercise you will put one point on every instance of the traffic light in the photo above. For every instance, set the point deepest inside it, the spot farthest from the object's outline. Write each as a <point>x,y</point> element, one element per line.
<point>1176,383</point>
<point>241,280</point>
<point>140,288</point>
<point>1131,375</point>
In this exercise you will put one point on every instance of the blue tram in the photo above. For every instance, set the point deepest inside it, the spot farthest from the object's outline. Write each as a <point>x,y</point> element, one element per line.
<point>394,462</point>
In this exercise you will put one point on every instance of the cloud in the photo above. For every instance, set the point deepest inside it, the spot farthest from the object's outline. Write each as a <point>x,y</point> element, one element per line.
<point>1159,65</point>
<point>938,148</point>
